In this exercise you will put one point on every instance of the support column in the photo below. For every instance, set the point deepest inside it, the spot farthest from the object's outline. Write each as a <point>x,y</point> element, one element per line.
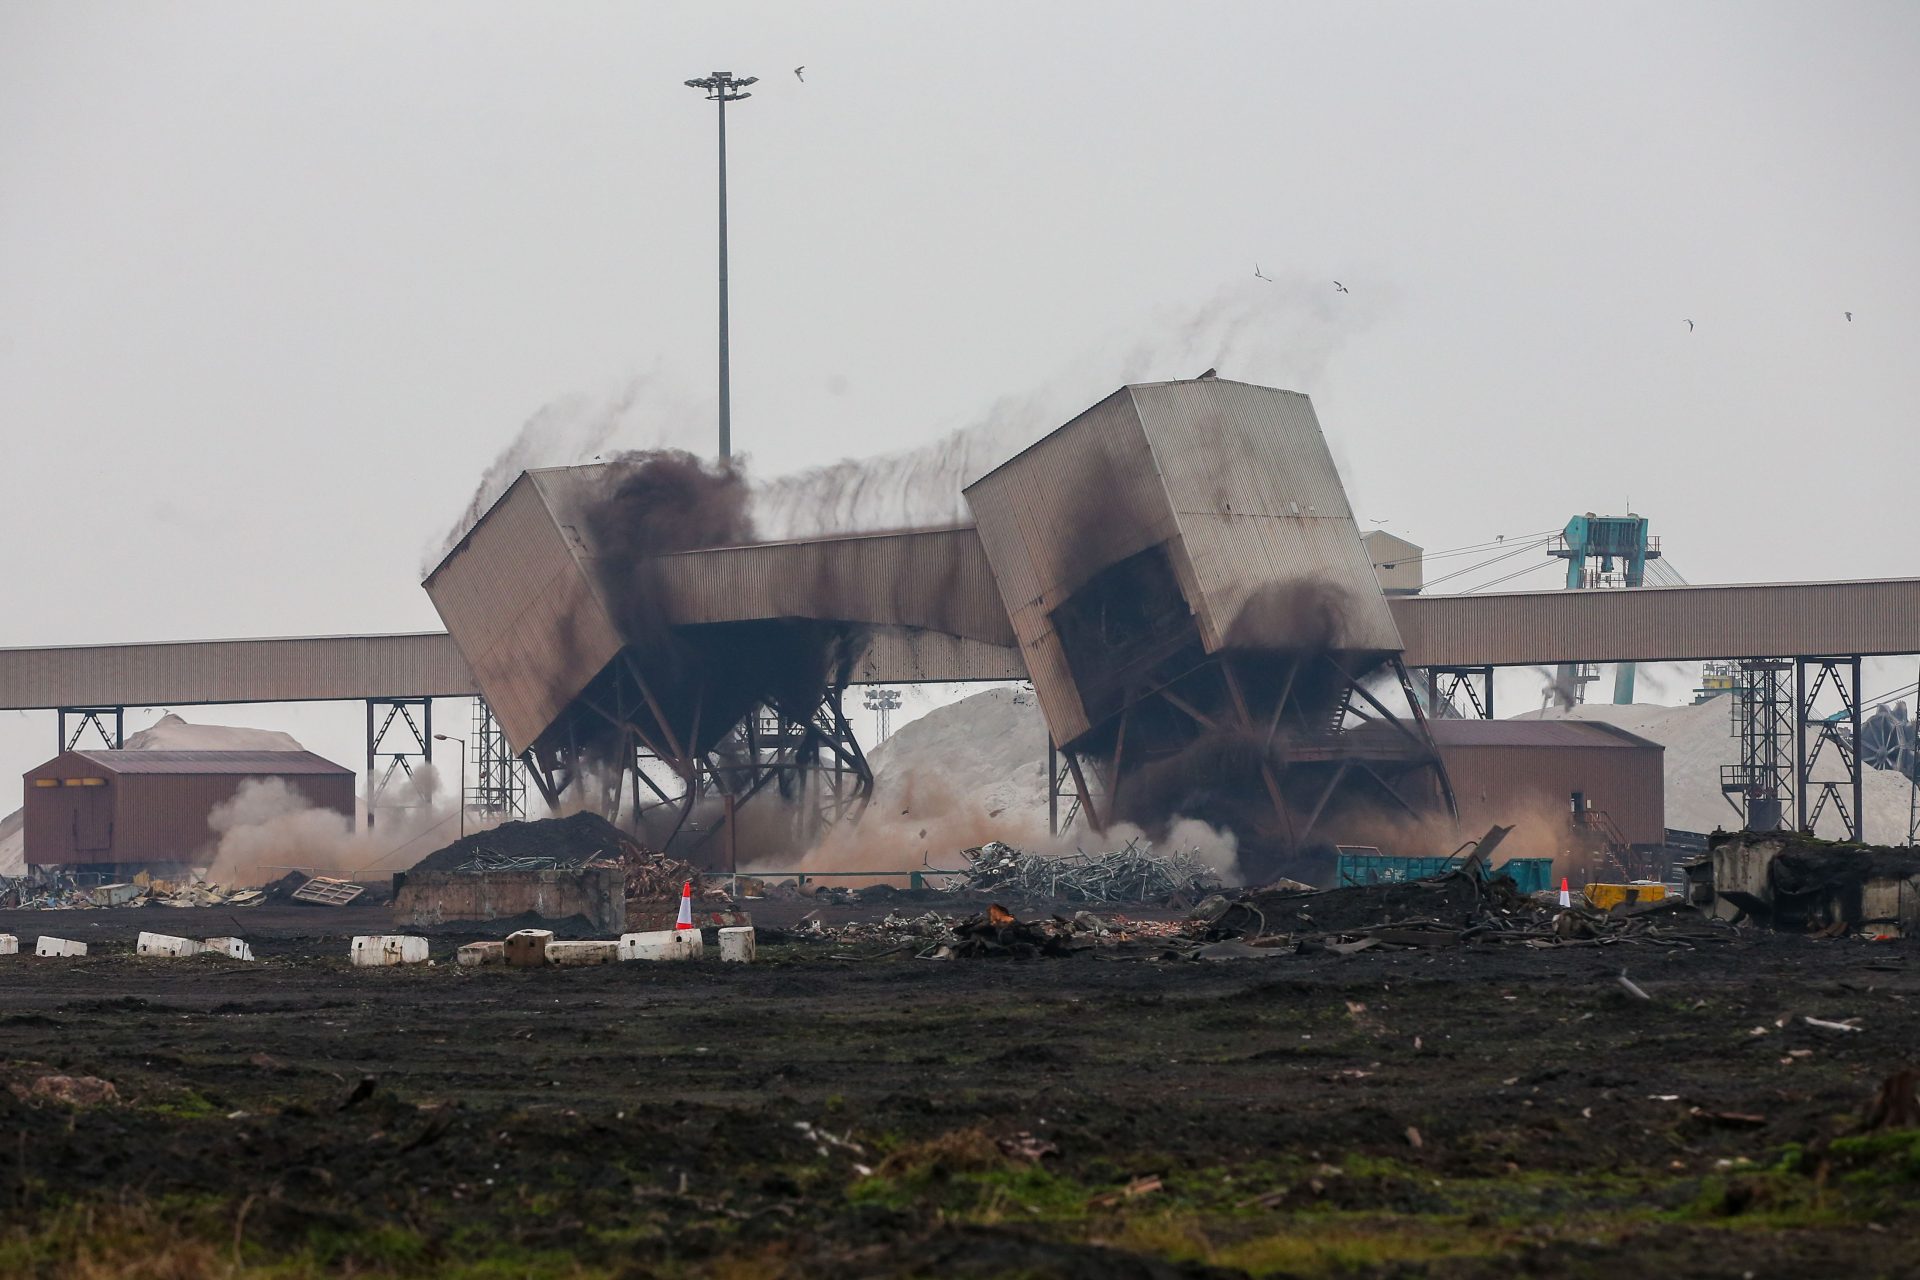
<point>1838,733</point>
<point>409,723</point>
<point>500,788</point>
<point>96,718</point>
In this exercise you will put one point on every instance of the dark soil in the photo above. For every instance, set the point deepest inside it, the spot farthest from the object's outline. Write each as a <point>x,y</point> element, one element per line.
<point>1465,1112</point>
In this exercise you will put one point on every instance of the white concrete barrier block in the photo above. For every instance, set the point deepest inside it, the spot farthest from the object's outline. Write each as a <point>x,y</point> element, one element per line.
<point>527,948</point>
<point>380,949</point>
<point>9,944</point>
<point>475,954</point>
<point>577,953</point>
<point>165,945</point>
<point>736,944</point>
<point>59,947</point>
<point>661,944</point>
<point>232,948</point>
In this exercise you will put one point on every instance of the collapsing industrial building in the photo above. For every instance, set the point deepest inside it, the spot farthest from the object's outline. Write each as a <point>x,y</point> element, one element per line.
<point>1176,569</point>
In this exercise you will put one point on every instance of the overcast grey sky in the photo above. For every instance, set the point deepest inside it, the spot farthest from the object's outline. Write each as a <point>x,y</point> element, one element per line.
<point>278,280</point>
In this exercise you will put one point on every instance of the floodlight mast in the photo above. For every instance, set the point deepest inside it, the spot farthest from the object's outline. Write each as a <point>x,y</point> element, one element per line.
<point>722,87</point>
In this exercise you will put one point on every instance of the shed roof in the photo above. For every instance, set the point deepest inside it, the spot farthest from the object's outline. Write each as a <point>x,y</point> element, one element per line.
<point>201,763</point>
<point>1534,733</point>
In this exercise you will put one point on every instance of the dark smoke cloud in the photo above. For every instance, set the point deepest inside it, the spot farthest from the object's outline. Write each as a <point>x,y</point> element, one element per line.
<point>700,680</point>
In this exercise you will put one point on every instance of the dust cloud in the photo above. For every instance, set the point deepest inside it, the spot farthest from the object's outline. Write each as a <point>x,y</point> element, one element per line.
<point>269,828</point>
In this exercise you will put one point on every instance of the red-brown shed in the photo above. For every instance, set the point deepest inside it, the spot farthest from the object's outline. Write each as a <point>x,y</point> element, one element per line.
<point>135,809</point>
<point>1521,771</point>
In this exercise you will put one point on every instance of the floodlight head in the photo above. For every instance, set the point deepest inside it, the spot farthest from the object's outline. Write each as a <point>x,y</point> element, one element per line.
<point>749,80</point>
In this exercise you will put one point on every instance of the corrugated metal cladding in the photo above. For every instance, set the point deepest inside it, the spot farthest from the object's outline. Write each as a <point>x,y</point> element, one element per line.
<point>934,580</point>
<point>212,763</point>
<point>1645,624</point>
<point>305,669</point>
<point>1525,774</point>
<point>526,615</point>
<point>1081,498</point>
<point>903,655</point>
<point>1235,479</point>
<point>104,807</point>
<point>1259,504</point>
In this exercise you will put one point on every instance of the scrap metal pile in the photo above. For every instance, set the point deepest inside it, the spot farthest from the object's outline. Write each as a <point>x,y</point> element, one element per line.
<point>1133,873</point>
<point>1461,908</point>
<point>64,893</point>
<point>576,843</point>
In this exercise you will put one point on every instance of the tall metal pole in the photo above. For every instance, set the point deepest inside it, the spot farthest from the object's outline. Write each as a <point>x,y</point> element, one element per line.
<point>726,388</point>
<point>722,87</point>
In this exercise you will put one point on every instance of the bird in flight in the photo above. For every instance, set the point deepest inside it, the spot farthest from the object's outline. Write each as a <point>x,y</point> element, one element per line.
<point>1849,317</point>
<point>796,73</point>
<point>1689,326</point>
<point>1269,279</point>
<point>1340,288</point>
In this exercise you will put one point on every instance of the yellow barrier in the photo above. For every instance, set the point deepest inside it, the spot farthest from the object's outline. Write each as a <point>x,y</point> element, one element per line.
<point>1605,897</point>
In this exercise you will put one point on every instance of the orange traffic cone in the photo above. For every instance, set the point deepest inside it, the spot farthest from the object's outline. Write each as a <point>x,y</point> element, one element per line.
<point>686,907</point>
<point>1566,895</point>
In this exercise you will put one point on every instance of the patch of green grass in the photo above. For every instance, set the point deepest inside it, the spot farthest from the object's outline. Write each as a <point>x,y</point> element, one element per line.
<point>1890,1158</point>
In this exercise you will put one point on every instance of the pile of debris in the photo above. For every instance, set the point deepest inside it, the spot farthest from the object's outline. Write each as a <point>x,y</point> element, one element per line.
<point>576,873</point>
<point>546,844</point>
<point>1803,885</point>
<point>1131,874</point>
<point>64,893</point>
<point>996,932</point>
<point>1459,908</point>
<point>583,841</point>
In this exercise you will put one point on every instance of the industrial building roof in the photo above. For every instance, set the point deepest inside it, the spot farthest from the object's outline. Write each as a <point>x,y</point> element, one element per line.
<point>1534,733</point>
<point>200,763</point>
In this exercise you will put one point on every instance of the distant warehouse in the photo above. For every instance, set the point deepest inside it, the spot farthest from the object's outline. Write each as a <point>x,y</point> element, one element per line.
<point>1583,776</point>
<point>124,811</point>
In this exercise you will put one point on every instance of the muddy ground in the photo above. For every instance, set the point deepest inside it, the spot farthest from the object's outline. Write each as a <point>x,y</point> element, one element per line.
<point>833,1112</point>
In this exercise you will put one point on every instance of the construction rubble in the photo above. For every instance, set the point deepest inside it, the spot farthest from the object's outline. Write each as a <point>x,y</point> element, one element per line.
<point>1133,873</point>
<point>64,893</point>
<point>577,869</point>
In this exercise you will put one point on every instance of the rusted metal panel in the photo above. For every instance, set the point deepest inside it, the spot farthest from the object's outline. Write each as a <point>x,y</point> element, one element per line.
<point>527,616</point>
<point>80,807</point>
<point>187,673</point>
<point>1647,624</point>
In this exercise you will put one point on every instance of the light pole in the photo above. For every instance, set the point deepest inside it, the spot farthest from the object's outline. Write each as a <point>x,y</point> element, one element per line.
<point>447,737</point>
<point>883,702</point>
<point>721,87</point>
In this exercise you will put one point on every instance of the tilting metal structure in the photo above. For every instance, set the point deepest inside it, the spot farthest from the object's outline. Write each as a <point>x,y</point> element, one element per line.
<point>1177,570</point>
<point>1201,623</point>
